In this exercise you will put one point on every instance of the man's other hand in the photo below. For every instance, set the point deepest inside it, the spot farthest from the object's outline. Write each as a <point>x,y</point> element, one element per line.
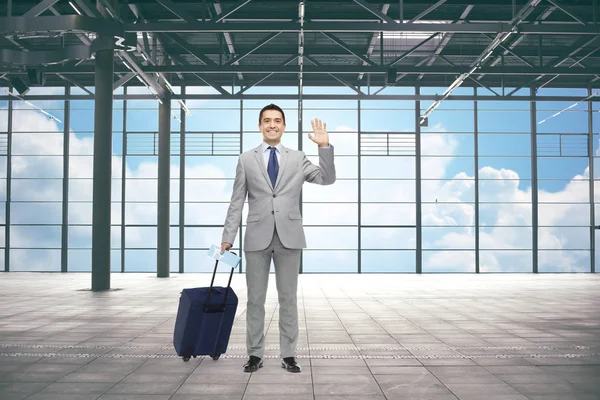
<point>225,246</point>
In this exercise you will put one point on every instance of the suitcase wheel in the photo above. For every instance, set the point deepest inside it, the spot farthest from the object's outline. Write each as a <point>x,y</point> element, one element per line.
<point>215,357</point>
<point>185,359</point>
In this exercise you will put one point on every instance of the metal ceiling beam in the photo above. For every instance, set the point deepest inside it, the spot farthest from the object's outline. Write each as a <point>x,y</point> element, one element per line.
<point>236,7</point>
<point>414,48</point>
<point>569,13</point>
<point>177,10</point>
<point>347,48</point>
<point>375,12</point>
<point>518,18</point>
<point>73,82</point>
<point>577,48</point>
<point>227,37</point>
<point>343,82</point>
<point>123,80</point>
<point>339,69</point>
<point>89,9</point>
<point>508,50</point>
<point>40,7</point>
<point>427,11</point>
<point>256,47</point>
<point>369,27</point>
<point>189,48</point>
<point>375,38</point>
<point>446,39</point>
<point>218,88</point>
<point>252,84</point>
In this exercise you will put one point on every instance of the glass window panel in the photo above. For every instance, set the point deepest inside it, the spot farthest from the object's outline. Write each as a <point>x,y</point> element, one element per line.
<point>210,167</point>
<point>504,121</point>
<point>346,167</point>
<point>388,214</point>
<point>447,144</point>
<point>142,120</point>
<point>115,237</point>
<point>388,191</point>
<point>80,237</point>
<point>81,213</point>
<point>205,213</point>
<point>452,191</point>
<point>174,214</point>
<point>329,261</point>
<point>344,143</point>
<point>328,104</point>
<point>503,168</point>
<point>29,120</point>
<point>564,261</point>
<point>342,191</point>
<point>116,189</point>
<point>79,189</point>
<point>387,120</point>
<point>387,261</point>
<point>448,261</point>
<point>2,169</point>
<point>564,214</point>
<point>216,120</point>
<point>79,260</point>
<point>505,261</point>
<point>140,261</point>
<point>81,144</point>
<point>574,120</point>
<point>387,167</point>
<point>564,238</point>
<point>2,217</point>
<point>82,119</point>
<point>37,166</point>
<point>36,190</point>
<point>141,213</point>
<point>174,237</point>
<point>505,191</point>
<point>174,261</point>
<point>387,238</point>
<point>450,120</point>
<point>447,167</point>
<point>336,120</point>
<point>448,237</point>
<point>210,190</point>
<point>330,214</point>
<point>501,238</point>
<point>31,237</point>
<point>505,214</point>
<point>142,167</point>
<point>440,214</point>
<point>504,145</point>
<point>331,238</point>
<point>81,166</point>
<point>141,190</point>
<point>36,260</point>
<point>35,213</point>
<point>563,191</point>
<point>43,144</point>
<point>140,237</point>
<point>202,238</point>
<point>561,167</point>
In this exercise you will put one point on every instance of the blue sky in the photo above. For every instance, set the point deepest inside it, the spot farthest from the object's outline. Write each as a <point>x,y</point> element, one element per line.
<point>388,191</point>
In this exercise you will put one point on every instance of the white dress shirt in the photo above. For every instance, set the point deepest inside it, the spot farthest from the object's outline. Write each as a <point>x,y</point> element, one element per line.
<point>267,152</point>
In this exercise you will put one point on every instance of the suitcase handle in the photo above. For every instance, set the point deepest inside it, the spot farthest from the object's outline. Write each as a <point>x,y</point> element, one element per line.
<point>222,307</point>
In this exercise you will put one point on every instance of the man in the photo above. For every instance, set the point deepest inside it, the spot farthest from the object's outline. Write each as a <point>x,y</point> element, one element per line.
<point>272,177</point>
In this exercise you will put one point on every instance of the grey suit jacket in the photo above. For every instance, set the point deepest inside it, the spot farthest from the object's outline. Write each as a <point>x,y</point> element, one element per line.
<point>274,207</point>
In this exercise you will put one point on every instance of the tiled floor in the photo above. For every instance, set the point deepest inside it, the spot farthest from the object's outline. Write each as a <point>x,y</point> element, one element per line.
<point>367,337</point>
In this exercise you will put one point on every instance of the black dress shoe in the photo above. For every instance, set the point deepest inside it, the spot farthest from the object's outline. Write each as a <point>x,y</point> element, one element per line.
<point>253,364</point>
<point>290,364</point>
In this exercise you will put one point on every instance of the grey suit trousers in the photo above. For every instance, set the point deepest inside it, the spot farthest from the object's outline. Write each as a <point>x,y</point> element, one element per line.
<point>287,266</point>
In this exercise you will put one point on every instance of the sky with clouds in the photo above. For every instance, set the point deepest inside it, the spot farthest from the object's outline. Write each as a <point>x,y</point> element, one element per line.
<point>331,213</point>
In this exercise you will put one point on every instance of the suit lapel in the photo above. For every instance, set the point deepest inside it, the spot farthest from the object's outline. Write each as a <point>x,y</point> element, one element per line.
<point>258,156</point>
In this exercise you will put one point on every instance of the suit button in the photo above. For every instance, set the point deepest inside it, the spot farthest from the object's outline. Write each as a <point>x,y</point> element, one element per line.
<point>274,196</point>
<point>272,212</point>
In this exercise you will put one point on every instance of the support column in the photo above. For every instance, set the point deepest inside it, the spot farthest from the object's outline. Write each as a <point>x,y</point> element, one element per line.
<point>164,176</point>
<point>104,68</point>
<point>418,196</point>
<point>534,183</point>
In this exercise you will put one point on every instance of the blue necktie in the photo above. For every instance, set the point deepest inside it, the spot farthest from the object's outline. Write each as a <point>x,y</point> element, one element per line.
<point>273,166</point>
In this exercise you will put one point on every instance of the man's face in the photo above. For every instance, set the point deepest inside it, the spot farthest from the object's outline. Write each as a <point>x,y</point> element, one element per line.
<point>272,126</point>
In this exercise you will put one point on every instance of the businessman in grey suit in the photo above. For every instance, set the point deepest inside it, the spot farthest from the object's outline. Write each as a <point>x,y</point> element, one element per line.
<point>272,176</point>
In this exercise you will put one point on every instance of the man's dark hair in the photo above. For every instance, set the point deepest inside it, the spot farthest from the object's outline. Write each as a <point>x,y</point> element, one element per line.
<point>271,107</point>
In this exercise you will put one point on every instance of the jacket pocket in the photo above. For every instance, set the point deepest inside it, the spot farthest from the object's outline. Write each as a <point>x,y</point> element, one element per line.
<point>253,218</point>
<point>295,216</point>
